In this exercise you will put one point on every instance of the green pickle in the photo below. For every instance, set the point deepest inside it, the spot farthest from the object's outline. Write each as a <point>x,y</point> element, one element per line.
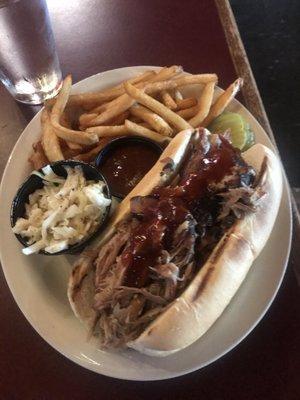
<point>240,132</point>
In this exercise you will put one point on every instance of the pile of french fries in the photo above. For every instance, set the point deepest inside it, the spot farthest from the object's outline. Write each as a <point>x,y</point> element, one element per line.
<point>150,105</point>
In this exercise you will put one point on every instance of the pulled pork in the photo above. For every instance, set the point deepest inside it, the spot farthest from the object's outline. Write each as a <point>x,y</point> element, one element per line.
<point>154,255</point>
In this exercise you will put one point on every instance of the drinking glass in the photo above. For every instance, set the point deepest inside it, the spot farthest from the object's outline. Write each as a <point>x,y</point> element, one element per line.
<point>29,66</point>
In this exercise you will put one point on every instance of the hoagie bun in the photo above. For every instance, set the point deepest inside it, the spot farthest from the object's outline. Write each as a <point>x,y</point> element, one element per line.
<point>193,301</point>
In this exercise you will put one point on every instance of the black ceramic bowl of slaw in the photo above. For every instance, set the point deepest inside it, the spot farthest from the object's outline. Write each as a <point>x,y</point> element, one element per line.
<point>34,182</point>
<point>124,161</point>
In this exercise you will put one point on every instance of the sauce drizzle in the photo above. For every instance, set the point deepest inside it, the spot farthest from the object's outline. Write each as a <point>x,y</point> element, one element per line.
<point>172,207</point>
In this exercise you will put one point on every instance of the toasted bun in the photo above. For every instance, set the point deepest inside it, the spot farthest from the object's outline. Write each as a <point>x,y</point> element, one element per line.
<point>204,300</point>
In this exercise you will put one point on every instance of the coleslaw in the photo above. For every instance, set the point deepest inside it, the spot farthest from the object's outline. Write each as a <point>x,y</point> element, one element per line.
<point>63,212</point>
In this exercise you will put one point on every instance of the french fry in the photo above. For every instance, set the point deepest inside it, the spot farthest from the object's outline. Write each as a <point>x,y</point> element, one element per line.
<point>124,102</point>
<point>128,129</point>
<point>92,98</point>
<point>138,130</point>
<point>101,108</point>
<point>65,121</point>
<point>188,112</point>
<point>195,79</point>
<point>154,120</point>
<point>165,73</point>
<point>154,105</point>
<point>38,157</point>
<point>74,146</point>
<point>91,154</point>
<point>186,103</point>
<point>177,95</point>
<point>69,153</point>
<point>144,124</point>
<point>222,101</point>
<point>84,119</point>
<point>56,113</point>
<point>117,106</point>
<point>50,141</point>
<point>145,76</point>
<point>204,104</point>
<point>162,75</point>
<point>154,87</point>
<point>109,130</point>
<point>136,119</point>
<point>168,100</point>
<point>88,107</point>
<point>93,113</point>
<point>119,119</point>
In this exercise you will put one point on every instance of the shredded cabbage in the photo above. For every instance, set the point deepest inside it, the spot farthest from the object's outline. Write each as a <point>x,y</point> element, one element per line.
<point>63,212</point>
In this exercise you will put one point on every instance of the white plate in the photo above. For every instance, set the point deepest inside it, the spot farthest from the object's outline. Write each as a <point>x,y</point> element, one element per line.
<point>39,283</point>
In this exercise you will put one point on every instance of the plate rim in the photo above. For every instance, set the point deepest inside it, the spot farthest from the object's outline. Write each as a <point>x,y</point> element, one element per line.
<point>185,371</point>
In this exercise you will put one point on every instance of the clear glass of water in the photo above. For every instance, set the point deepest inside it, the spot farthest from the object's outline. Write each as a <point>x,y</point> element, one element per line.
<point>29,66</point>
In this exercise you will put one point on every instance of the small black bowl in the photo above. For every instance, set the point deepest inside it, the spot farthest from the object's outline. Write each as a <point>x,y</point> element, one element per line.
<point>34,182</point>
<point>105,152</point>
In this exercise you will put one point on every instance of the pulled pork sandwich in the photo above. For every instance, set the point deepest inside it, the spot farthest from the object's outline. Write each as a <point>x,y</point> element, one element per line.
<point>179,246</point>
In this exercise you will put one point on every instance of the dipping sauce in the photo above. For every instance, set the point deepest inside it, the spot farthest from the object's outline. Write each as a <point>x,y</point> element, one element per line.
<point>126,162</point>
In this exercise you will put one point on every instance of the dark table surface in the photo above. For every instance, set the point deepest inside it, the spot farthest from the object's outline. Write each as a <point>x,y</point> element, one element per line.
<point>271,35</point>
<point>94,36</point>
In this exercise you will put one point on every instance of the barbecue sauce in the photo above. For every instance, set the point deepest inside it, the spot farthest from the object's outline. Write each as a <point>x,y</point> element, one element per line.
<point>153,234</point>
<point>173,206</point>
<point>126,165</point>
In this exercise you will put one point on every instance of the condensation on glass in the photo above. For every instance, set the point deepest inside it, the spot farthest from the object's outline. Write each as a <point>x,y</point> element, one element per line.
<point>29,66</point>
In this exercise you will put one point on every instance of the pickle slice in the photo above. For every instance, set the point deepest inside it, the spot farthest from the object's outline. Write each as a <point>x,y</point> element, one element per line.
<point>250,140</point>
<point>240,133</point>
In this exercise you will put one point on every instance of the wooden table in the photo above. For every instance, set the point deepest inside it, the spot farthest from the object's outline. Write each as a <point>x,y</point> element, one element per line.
<point>94,36</point>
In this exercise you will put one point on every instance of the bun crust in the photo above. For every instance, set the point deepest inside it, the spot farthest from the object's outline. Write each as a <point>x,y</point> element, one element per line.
<point>207,296</point>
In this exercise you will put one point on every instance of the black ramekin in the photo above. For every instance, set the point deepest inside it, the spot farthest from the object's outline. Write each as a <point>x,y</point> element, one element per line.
<point>34,182</point>
<point>106,151</point>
